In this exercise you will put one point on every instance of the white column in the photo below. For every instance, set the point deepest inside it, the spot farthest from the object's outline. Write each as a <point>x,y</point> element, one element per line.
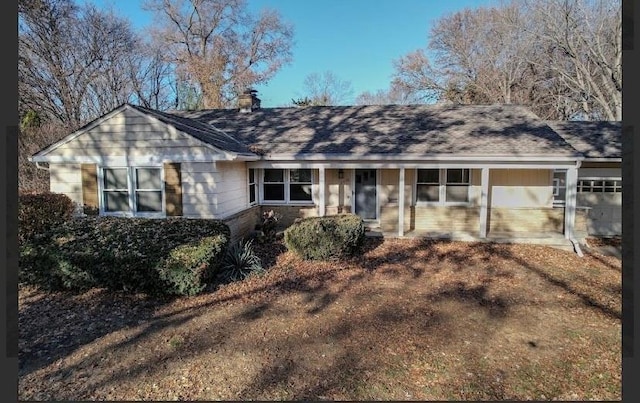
<point>571,183</point>
<point>321,194</point>
<point>484,202</point>
<point>401,203</point>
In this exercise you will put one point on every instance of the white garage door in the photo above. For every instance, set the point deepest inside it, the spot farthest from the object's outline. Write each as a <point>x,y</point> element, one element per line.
<point>604,197</point>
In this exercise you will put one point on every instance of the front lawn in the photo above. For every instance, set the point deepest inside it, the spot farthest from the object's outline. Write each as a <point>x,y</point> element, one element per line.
<point>407,320</point>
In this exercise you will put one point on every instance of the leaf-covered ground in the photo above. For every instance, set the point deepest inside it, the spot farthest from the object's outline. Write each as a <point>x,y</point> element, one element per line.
<point>407,320</point>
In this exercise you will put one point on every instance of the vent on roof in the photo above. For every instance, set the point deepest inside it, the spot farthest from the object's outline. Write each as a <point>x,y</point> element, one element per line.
<point>248,101</point>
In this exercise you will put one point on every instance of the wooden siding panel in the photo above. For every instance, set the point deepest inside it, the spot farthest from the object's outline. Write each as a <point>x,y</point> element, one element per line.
<point>517,188</point>
<point>173,189</point>
<point>90,189</point>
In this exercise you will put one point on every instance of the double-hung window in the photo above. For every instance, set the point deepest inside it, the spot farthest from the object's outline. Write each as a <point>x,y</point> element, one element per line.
<point>136,191</point>
<point>442,186</point>
<point>287,186</point>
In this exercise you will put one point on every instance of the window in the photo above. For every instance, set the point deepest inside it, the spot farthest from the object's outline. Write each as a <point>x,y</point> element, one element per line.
<point>300,185</point>
<point>132,190</point>
<point>457,186</point>
<point>599,185</point>
<point>252,186</point>
<point>446,186</point>
<point>559,187</point>
<point>428,186</point>
<point>273,187</point>
<point>287,186</point>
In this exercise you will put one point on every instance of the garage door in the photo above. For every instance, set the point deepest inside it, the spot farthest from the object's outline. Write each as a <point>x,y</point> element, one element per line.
<point>604,198</point>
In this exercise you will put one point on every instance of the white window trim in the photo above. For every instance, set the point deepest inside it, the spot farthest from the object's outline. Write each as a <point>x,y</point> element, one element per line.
<point>131,190</point>
<point>286,183</point>
<point>442,190</point>
<point>256,175</point>
<point>600,178</point>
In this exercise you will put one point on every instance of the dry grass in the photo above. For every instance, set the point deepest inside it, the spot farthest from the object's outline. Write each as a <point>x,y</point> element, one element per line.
<point>408,320</point>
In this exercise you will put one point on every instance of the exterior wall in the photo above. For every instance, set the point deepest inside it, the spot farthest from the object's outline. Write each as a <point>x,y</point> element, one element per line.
<point>338,191</point>
<point>214,189</point>
<point>526,219</point>
<point>67,179</point>
<point>446,219</point>
<point>520,188</point>
<point>129,133</point>
<point>604,209</point>
<point>288,214</point>
<point>243,223</point>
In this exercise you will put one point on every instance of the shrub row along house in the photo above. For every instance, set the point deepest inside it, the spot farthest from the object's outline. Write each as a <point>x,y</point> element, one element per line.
<point>478,170</point>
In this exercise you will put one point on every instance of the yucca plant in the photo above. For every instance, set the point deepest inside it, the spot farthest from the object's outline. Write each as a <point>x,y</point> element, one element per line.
<point>240,261</point>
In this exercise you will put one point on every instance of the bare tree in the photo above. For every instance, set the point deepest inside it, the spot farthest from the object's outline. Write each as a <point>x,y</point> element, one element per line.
<point>325,89</point>
<point>219,47</point>
<point>74,62</point>
<point>583,44</point>
<point>559,57</point>
<point>396,94</point>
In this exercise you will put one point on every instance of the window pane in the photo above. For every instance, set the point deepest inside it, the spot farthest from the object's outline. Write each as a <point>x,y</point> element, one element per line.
<point>428,176</point>
<point>116,201</point>
<point>300,175</point>
<point>149,201</point>
<point>252,194</point>
<point>299,192</point>
<point>428,193</point>
<point>115,178</point>
<point>274,192</point>
<point>251,176</point>
<point>274,175</point>
<point>458,193</point>
<point>148,178</point>
<point>457,176</point>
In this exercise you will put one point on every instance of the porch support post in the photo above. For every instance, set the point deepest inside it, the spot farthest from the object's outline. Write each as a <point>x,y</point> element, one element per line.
<point>571,184</point>
<point>484,202</point>
<point>401,203</point>
<point>321,193</point>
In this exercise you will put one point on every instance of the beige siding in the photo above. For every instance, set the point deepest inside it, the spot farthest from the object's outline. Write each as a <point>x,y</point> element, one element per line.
<point>67,179</point>
<point>214,190</point>
<point>130,134</point>
<point>520,188</point>
<point>338,190</point>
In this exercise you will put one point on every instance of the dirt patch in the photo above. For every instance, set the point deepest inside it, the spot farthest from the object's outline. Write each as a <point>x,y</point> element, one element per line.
<point>406,320</point>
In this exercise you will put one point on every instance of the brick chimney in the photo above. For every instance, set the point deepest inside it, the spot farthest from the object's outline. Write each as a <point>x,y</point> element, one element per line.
<point>247,101</point>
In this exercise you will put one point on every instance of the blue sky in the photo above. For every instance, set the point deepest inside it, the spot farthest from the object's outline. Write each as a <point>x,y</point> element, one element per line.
<point>357,40</point>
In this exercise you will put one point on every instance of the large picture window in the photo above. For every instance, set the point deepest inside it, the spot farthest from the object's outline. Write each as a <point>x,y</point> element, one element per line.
<point>132,190</point>
<point>442,186</point>
<point>287,186</point>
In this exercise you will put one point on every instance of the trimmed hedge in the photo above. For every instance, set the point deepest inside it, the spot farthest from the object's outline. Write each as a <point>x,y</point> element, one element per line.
<point>321,238</point>
<point>173,256</point>
<point>39,213</point>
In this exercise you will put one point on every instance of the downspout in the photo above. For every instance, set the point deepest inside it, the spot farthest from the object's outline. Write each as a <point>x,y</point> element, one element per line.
<point>41,166</point>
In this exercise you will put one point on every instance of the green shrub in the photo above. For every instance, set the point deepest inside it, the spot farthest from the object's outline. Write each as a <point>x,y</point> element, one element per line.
<point>240,261</point>
<point>188,266</point>
<point>131,254</point>
<point>39,213</point>
<point>321,238</point>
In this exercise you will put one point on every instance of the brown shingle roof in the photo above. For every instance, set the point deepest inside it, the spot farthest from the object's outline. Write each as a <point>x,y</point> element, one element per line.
<point>420,130</point>
<point>593,139</point>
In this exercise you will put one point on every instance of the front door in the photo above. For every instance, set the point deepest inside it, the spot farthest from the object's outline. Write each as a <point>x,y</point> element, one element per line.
<point>365,189</point>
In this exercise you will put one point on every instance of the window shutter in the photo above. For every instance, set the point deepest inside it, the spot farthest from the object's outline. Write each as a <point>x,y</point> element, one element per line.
<point>89,189</point>
<point>173,189</point>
